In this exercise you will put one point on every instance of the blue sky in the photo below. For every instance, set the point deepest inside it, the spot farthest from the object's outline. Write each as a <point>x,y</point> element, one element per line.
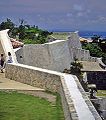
<point>57,14</point>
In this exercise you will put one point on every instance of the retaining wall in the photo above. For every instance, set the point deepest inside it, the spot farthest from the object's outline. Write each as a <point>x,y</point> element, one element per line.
<point>55,82</point>
<point>102,102</point>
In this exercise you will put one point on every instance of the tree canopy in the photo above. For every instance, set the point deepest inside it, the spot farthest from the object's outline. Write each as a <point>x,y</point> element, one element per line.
<point>95,50</point>
<point>24,32</point>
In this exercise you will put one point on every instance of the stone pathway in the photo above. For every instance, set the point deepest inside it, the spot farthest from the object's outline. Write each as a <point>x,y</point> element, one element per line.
<point>11,85</point>
<point>91,66</point>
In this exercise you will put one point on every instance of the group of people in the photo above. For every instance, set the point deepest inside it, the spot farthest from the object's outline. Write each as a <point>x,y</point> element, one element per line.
<point>3,61</point>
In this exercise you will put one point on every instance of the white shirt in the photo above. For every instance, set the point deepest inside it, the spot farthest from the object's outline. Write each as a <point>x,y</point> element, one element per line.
<point>9,60</point>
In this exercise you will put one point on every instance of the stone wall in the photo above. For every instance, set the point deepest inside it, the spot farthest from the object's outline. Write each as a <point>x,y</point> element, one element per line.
<point>52,81</point>
<point>67,102</point>
<point>74,40</point>
<point>80,54</point>
<point>49,80</point>
<point>32,76</point>
<point>19,56</point>
<point>98,78</point>
<point>7,45</point>
<point>56,55</point>
<point>1,48</point>
<point>102,102</point>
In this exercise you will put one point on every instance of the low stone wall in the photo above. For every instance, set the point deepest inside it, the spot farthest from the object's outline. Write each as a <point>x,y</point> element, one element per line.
<point>102,102</point>
<point>52,81</point>
<point>33,76</point>
<point>67,102</point>
<point>49,80</point>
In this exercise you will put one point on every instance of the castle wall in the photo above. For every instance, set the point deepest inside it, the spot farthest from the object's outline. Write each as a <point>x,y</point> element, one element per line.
<point>75,102</point>
<point>74,40</point>
<point>50,56</point>
<point>6,44</point>
<point>56,55</point>
<point>102,104</point>
<point>1,48</point>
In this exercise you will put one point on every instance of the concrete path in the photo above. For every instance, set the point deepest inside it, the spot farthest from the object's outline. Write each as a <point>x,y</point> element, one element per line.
<point>91,66</point>
<point>13,85</point>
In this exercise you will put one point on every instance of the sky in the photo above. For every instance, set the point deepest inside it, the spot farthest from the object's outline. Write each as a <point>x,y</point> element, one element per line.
<point>63,15</point>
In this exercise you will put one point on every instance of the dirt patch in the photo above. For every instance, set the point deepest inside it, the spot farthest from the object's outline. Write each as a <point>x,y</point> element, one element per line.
<point>41,94</point>
<point>49,97</point>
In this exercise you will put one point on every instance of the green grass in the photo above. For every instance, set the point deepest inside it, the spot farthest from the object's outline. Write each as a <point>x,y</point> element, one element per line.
<point>61,35</point>
<point>101,93</point>
<point>18,106</point>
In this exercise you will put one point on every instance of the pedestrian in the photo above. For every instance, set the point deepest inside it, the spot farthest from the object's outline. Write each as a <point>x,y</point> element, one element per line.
<point>2,60</point>
<point>9,59</point>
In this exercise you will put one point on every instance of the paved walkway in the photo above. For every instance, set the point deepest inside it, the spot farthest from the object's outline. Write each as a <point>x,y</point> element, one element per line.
<point>13,85</point>
<point>91,66</point>
<point>7,84</point>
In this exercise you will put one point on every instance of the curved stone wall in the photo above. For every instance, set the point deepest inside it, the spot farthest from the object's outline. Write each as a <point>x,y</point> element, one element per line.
<point>75,102</point>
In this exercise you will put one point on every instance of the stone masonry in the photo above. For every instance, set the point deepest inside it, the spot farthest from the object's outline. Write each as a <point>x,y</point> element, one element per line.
<point>55,82</point>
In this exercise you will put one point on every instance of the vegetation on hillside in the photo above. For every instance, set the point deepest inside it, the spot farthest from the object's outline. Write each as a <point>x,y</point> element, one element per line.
<point>75,69</point>
<point>97,47</point>
<point>25,32</point>
<point>60,35</point>
<point>101,93</point>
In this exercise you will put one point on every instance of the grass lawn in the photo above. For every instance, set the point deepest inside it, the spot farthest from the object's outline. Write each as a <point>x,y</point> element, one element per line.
<point>61,35</point>
<point>101,93</point>
<point>18,106</point>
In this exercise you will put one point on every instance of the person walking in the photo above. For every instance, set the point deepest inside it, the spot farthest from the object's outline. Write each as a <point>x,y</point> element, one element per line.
<point>2,60</point>
<point>9,59</point>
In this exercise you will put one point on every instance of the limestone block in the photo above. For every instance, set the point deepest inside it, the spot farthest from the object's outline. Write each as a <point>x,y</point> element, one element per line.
<point>74,40</point>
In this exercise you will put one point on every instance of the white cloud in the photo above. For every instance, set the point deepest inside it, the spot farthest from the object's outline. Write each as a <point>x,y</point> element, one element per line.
<point>78,7</point>
<point>69,14</point>
<point>57,13</point>
<point>102,19</point>
<point>80,14</point>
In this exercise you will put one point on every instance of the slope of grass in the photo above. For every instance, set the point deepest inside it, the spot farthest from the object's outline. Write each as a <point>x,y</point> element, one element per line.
<point>101,93</point>
<point>61,35</point>
<point>18,106</point>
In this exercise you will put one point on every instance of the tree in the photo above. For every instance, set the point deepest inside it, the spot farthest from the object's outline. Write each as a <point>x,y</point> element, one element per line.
<point>76,67</point>
<point>21,32</point>
<point>94,49</point>
<point>25,32</point>
<point>8,24</point>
